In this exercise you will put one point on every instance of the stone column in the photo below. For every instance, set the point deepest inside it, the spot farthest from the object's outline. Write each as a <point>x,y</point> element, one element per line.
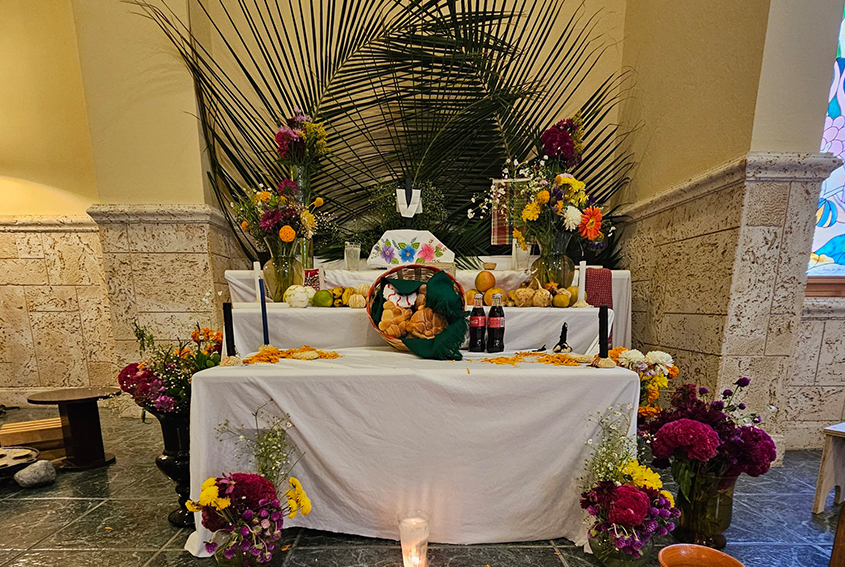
<point>164,266</point>
<point>719,267</point>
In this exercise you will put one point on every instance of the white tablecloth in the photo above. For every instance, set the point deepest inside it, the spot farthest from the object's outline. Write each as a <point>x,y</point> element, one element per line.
<point>492,452</point>
<point>242,288</point>
<point>526,328</point>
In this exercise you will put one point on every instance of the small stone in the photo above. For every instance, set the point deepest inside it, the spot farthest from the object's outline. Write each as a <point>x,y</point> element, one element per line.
<point>38,473</point>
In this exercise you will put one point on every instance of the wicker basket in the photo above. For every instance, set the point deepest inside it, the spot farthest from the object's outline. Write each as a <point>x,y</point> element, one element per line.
<point>416,272</point>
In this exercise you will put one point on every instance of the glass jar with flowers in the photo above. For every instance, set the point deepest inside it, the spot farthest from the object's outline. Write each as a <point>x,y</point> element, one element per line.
<point>547,205</point>
<point>624,499</point>
<point>707,444</point>
<point>301,145</point>
<point>277,221</point>
<point>161,385</point>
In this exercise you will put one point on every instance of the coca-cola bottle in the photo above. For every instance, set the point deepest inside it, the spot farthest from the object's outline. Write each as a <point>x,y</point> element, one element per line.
<point>496,325</point>
<point>477,325</point>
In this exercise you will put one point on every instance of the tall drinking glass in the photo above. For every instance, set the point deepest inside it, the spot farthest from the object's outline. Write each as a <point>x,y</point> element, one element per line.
<point>352,256</point>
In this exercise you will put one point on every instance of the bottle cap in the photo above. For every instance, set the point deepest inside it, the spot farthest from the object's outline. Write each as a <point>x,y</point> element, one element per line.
<point>478,295</point>
<point>495,295</point>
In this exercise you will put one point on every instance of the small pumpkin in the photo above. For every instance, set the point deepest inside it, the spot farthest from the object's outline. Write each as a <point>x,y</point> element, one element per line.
<point>523,297</point>
<point>357,301</point>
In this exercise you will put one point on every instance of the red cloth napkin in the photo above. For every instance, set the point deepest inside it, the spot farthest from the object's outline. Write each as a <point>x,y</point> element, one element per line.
<point>599,286</point>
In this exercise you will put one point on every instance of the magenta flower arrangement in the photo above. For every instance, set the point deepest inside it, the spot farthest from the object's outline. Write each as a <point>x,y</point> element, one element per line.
<point>702,436</point>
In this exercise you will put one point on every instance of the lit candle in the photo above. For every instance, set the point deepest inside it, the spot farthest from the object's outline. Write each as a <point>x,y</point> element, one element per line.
<point>413,533</point>
<point>264,312</point>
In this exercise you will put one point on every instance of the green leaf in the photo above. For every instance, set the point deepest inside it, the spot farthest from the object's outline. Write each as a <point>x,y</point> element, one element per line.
<point>402,245</point>
<point>437,252</point>
<point>420,261</point>
<point>394,261</point>
<point>416,245</point>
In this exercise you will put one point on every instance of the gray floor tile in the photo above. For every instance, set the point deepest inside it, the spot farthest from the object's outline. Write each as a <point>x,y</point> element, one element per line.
<point>314,538</point>
<point>24,522</point>
<point>774,555</point>
<point>117,524</point>
<point>83,558</point>
<point>183,559</point>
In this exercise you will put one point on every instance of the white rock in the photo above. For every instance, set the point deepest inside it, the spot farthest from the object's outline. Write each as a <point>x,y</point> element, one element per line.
<point>38,473</point>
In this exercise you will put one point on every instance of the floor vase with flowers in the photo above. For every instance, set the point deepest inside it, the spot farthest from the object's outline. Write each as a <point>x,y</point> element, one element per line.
<point>706,512</point>
<point>174,462</point>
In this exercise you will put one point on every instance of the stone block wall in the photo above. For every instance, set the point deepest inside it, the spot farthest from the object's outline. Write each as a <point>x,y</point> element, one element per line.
<point>71,288</point>
<point>815,391</point>
<point>55,320</point>
<point>719,268</point>
<point>164,266</point>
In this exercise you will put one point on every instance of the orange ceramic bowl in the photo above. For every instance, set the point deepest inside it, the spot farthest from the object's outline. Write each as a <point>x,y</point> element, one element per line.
<point>688,555</point>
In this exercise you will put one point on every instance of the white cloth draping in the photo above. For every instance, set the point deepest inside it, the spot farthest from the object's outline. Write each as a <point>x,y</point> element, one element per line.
<point>492,452</point>
<point>242,287</point>
<point>526,328</point>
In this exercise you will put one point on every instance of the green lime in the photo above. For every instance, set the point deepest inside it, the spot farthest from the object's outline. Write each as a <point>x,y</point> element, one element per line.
<point>322,298</point>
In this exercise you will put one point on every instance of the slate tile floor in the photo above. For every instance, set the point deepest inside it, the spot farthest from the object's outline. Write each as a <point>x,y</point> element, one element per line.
<point>118,516</point>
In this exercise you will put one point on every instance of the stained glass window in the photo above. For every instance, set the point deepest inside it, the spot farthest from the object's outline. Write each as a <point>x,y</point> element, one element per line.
<point>828,256</point>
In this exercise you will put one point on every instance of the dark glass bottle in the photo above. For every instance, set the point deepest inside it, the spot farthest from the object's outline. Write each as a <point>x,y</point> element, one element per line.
<point>496,325</point>
<point>477,325</point>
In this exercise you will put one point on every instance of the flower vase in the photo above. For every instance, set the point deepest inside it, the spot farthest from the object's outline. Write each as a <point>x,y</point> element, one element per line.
<point>553,265</point>
<point>302,177</point>
<point>174,462</point>
<point>282,270</point>
<point>608,555</point>
<point>706,514</point>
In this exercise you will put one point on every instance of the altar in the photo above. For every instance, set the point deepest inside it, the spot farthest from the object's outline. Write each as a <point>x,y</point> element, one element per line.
<point>492,451</point>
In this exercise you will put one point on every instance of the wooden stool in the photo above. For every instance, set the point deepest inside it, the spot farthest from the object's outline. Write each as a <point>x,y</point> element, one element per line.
<point>832,469</point>
<point>80,417</point>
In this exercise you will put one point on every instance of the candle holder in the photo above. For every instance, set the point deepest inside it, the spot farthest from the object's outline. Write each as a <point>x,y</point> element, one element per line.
<point>582,285</point>
<point>413,534</point>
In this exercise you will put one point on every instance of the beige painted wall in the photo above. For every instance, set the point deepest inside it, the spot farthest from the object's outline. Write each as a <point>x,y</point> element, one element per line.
<point>697,69</point>
<point>142,112</point>
<point>796,74</point>
<point>46,165</point>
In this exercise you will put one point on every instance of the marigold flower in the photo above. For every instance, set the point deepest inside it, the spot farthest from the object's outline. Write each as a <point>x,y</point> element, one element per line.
<point>543,197</point>
<point>244,225</point>
<point>287,234</point>
<point>192,506</point>
<point>263,196</point>
<point>318,202</point>
<point>615,352</point>
<point>590,226</point>
<point>531,212</point>
<point>673,372</point>
<point>520,239</point>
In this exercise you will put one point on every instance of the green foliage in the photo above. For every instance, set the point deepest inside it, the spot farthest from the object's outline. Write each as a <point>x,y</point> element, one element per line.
<point>436,91</point>
<point>613,451</point>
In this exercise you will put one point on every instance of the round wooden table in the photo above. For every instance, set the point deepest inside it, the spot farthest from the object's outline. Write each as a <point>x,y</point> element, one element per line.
<point>80,417</point>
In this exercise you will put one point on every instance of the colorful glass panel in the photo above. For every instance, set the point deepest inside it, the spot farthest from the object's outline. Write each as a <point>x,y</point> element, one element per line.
<point>828,256</point>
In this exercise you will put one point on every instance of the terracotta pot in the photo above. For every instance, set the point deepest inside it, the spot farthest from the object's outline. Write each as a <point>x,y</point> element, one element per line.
<point>689,555</point>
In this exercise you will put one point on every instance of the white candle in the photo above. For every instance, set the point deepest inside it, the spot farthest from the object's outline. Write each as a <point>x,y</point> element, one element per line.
<point>582,279</point>
<point>413,533</point>
<point>256,275</point>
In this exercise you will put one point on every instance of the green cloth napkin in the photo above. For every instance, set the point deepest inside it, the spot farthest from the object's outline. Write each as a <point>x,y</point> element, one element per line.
<point>441,296</point>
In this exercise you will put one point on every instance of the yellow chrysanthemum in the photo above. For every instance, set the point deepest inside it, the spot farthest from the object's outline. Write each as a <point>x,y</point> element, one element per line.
<point>192,506</point>
<point>318,202</point>
<point>520,239</point>
<point>263,196</point>
<point>222,503</point>
<point>306,505</point>
<point>295,484</point>
<point>287,234</point>
<point>531,212</point>
<point>208,495</point>
<point>660,381</point>
<point>642,476</point>
<point>543,197</point>
<point>668,495</point>
<point>308,220</point>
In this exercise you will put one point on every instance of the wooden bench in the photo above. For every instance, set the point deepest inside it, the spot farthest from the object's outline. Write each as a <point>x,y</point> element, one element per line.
<point>832,469</point>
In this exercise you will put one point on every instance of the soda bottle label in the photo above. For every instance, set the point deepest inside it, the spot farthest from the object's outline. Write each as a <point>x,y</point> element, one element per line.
<point>477,321</point>
<point>495,322</point>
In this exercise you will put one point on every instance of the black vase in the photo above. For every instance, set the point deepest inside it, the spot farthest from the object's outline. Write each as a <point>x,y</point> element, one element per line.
<point>175,462</point>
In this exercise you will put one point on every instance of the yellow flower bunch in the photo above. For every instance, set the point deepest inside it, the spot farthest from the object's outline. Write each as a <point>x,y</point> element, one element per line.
<point>520,239</point>
<point>531,212</point>
<point>209,497</point>
<point>308,220</point>
<point>668,496</point>
<point>642,476</point>
<point>315,137</point>
<point>543,197</point>
<point>263,196</point>
<point>298,501</point>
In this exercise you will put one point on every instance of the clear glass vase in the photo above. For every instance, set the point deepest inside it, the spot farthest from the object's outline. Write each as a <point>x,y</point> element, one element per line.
<point>302,177</point>
<point>553,265</point>
<point>282,270</point>
<point>609,556</point>
<point>706,514</point>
